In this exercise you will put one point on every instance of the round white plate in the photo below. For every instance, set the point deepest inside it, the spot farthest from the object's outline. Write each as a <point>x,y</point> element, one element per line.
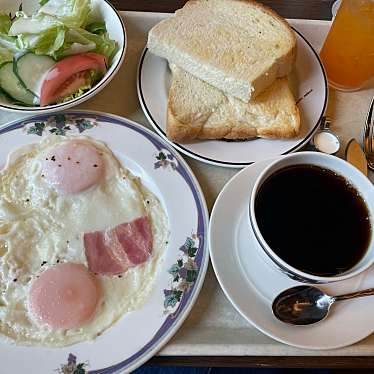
<point>140,334</point>
<point>309,86</point>
<point>250,282</point>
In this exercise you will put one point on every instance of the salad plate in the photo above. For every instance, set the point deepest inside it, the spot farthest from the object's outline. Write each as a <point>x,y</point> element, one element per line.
<point>307,81</point>
<point>251,282</point>
<point>138,335</point>
<point>37,38</point>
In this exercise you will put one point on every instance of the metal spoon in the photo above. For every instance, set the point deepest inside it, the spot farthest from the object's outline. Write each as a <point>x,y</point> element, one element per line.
<point>324,140</point>
<point>305,305</point>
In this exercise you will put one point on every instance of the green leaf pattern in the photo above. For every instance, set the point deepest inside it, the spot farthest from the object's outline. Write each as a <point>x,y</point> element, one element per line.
<point>165,160</point>
<point>71,367</point>
<point>59,124</point>
<point>36,129</point>
<point>184,274</point>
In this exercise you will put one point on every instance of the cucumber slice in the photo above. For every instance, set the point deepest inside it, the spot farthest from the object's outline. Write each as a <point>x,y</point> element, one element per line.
<point>30,70</point>
<point>11,85</point>
<point>4,97</point>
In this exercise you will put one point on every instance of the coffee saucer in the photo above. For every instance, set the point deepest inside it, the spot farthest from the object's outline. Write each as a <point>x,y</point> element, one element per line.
<point>250,281</point>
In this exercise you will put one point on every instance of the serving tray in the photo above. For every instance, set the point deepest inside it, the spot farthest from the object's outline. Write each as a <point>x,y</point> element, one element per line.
<point>213,326</point>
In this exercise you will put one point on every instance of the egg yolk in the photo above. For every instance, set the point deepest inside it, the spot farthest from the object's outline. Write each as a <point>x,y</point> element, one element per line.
<point>64,296</point>
<point>73,167</point>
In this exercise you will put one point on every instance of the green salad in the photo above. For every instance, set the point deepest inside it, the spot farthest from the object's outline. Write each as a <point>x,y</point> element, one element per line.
<point>57,43</point>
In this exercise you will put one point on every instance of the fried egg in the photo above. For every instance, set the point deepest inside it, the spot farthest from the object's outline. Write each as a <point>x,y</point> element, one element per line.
<point>58,199</point>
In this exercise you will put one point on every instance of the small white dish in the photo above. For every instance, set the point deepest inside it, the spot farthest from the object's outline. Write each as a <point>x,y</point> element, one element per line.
<point>307,81</point>
<point>251,283</point>
<point>140,334</point>
<point>116,30</point>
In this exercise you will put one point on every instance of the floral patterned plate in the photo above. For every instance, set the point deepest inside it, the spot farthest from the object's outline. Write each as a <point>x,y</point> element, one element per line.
<point>137,336</point>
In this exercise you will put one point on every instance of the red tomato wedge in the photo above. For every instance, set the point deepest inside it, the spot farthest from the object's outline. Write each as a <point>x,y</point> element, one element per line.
<point>68,75</point>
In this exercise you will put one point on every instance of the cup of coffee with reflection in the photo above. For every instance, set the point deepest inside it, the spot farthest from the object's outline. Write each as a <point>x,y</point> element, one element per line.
<point>312,215</point>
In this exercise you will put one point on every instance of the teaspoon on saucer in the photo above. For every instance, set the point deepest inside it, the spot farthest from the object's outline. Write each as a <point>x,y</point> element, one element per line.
<point>305,305</point>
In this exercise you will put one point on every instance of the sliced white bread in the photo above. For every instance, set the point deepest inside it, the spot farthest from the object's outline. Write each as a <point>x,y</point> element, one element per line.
<point>238,46</point>
<point>197,110</point>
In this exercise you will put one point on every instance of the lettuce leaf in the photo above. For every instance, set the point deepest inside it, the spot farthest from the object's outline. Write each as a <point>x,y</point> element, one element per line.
<point>67,13</point>
<point>57,30</point>
<point>81,41</point>
<point>76,94</point>
<point>104,45</point>
<point>45,43</point>
<point>96,28</point>
<point>32,25</point>
<point>75,43</point>
<point>5,55</point>
<point>5,23</point>
<point>72,13</point>
<point>8,45</point>
<point>9,42</point>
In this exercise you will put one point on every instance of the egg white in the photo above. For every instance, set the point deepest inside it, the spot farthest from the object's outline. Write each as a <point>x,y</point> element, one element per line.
<point>38,226</point>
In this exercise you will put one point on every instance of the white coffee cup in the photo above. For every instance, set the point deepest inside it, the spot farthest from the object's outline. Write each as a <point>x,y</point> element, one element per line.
<point>358,180</point>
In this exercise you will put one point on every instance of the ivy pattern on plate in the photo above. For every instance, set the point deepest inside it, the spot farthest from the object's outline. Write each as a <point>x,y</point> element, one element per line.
<point>59,124</point>
<point>72,367</point>
<point>184,274</point>
<point>165,159</point>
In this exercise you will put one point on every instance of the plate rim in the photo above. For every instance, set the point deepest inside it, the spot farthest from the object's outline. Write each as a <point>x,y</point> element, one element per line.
<point>161,341</point>
<point>262,164</point>
<point>211,161</point>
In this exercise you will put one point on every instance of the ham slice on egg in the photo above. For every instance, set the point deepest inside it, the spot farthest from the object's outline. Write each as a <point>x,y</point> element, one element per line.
<point>113,251</point>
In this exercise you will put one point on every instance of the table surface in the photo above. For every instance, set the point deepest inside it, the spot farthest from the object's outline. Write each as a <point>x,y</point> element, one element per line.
<point>310,9</point>
<point>307,9</point>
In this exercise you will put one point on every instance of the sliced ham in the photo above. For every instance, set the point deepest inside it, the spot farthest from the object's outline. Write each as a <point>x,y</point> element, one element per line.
<point>115,250</point>
<point>135,239</point>
<point>99,256</point>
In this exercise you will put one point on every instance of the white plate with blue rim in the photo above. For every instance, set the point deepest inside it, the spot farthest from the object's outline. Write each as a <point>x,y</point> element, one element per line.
<point>138,335</point>
<point>251,281</point>
<point>307,81</point>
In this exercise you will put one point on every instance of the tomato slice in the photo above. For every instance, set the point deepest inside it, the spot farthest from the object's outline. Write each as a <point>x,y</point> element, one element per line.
<point>100,59</point>
<point>68,75</point>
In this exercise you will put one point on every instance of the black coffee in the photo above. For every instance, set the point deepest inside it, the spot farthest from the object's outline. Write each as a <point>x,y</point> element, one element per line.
<point>313,219</point>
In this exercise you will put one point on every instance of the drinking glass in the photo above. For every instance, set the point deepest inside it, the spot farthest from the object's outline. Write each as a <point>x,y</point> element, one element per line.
<point>348,51</point>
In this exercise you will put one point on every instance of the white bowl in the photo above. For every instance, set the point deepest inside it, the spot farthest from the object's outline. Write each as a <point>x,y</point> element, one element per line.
<point>102,10</point>
<point>358,180</point>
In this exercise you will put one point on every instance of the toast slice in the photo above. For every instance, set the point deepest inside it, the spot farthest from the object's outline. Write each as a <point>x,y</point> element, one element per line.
<point>238,46</point>
<point>197,110</point>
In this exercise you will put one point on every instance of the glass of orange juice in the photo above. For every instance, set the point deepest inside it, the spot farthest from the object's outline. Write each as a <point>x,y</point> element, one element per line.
<point>348,51</point>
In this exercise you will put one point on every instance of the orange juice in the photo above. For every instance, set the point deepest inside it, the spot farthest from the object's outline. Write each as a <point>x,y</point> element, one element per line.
<point>348,52</point>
